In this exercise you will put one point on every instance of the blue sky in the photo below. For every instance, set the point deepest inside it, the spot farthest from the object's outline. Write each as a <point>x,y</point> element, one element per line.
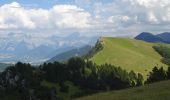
<point>48,3</point>
<point>39,3</point>
<point>48,18</point>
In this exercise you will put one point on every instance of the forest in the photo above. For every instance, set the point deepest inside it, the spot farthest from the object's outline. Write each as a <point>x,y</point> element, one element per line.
<point>30,83</point>
<point>76,77</point>
<point>49,80</point>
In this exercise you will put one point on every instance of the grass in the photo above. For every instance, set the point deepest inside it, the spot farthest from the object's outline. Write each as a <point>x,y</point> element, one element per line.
<point>129,54</point>
<point>156,91</point>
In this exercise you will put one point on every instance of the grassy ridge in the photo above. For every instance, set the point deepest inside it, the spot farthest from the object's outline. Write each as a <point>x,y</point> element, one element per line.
<point>130,54</point>
<point>156,91</point>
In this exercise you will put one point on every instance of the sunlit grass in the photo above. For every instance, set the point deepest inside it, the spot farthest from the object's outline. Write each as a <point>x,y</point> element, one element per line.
<point>129,54</point>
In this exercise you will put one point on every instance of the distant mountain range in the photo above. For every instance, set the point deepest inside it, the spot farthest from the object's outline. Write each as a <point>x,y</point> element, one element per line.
<point>21,52</point>
<point>165,36</point>
<point>59,48</point>
<point>71,53</point>
<point>3,66</point>
<point>149,37</point>
<point>25,49</point>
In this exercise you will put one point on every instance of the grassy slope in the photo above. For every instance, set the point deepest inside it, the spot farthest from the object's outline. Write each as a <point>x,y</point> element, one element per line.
<point>156,91</point>
<point>129,54</point>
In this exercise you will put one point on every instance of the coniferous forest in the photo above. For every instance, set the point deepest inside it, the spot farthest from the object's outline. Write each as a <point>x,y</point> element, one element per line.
<point>84,50</point>
<point>26,81</point>
<point>74,78</point>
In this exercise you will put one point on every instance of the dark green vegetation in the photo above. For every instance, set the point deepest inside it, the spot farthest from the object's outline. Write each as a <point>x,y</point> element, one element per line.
<point>156,91</point>
<point>164,51</point>
<point>63,81</point>
<point>155,75</point>
<point>81,76</point>
<point>98,47</point>
<point>158,74</point>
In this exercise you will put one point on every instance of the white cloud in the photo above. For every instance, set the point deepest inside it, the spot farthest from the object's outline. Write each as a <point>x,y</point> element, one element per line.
<point>149,11</point>
<point>117,18</point>
<point>14,16</point>
<point>70,16</point>
<point>136,15</point>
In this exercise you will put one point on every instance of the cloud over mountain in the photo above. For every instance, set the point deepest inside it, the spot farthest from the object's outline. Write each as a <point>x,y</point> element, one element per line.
<point>15,16</point>
<point>85,17</point>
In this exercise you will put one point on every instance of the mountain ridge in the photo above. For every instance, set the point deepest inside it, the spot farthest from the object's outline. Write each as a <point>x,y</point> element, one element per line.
<point>82,51</point>
<point>149,37</point>
<point>130,54</point>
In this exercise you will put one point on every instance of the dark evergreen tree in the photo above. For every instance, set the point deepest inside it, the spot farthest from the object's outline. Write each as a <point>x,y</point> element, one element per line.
<point>34,82</point>
<point>156,75</point>
<point>140,80</point>
<point>168,73</point>
<point>133,78</point>
<point>76,69</point>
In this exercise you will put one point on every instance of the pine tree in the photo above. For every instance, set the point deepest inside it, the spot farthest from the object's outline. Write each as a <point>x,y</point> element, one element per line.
<point>168,73</point>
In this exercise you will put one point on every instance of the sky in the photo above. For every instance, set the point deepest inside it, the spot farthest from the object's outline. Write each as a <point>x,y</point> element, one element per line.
<point>47,18</point>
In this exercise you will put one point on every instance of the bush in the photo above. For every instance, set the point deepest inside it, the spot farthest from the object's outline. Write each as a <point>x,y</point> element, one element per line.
<point>64,88</point>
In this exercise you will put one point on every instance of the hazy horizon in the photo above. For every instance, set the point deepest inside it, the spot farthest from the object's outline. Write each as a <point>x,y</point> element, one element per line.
<point>33,29</point>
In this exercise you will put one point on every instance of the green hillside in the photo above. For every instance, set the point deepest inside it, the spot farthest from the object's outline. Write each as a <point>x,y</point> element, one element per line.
<point>156,91</point>
<point>130,54</point>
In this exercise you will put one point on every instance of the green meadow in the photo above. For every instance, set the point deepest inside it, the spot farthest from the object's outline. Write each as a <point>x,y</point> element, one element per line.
<point>130,54</point>
<point>156,91</point>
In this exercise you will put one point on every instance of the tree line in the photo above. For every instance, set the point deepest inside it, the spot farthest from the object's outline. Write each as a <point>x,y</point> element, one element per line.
<point>164,51</point>
<point>25,80</point>
<point>158,74</point>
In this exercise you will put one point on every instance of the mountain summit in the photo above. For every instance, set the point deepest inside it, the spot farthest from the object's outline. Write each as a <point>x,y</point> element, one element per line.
<point>149,37</point>
<point>165,36</point>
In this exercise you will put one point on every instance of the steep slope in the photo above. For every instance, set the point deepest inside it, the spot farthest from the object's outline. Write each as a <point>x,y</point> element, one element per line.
<point>28,48</point>
<point>130,54</point>
<point>156,91</point>
<point>71,53</point>
<point>60,50</point>
<point>148,37</point>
